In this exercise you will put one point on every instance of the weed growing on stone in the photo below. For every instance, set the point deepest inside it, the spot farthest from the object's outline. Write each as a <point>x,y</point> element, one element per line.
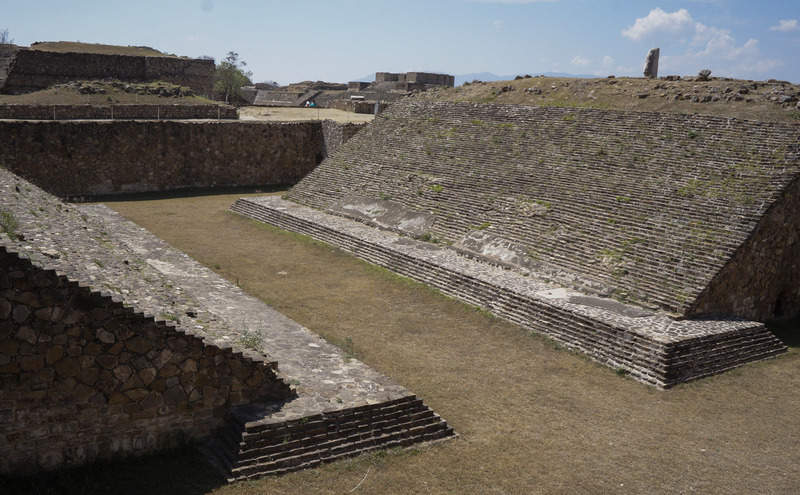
<point>252,339</point>
<point>170,317</point>
<point>9,224</point>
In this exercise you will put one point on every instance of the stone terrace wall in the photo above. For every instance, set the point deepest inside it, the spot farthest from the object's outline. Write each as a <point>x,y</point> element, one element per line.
<point>647,207</point>
<point>93,112</point>
<point>80,158</point>
<point>336,134</point>
<point>357,106</point>
<point>35,69</point>
<point>85,376</point>
<point>760,281</point>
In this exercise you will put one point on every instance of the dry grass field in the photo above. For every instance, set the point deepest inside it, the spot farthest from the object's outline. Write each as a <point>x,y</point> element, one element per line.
<point>532,417</point>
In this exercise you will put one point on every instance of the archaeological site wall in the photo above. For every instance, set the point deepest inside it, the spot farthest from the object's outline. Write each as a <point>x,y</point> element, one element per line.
<point>107,157</point>
<point>119,112</point>
<point>32,70</point>
<point>689,214</point>
<point>85,376</point>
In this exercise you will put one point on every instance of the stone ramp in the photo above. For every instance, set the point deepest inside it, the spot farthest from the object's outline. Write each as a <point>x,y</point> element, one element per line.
<point>653,347</point>
<point>342,407</point>
<point>655,207</point>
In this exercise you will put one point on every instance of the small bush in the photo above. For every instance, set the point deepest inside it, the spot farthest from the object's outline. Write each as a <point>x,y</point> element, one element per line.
<point>9,224</point>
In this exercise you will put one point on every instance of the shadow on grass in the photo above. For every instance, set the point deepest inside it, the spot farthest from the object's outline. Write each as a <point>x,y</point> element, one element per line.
<point>786,330</point>
<point>189,192</point>
<point>176,471</point>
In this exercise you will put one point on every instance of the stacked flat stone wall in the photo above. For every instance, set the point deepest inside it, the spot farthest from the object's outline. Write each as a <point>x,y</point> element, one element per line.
<point>760,281</point>
<point>84,377</point>
<point>104,157</point>
<point>131,112</point>
<point>33,70</point>
<point>430,78</point>
<point>355,106</point>
<point>645,207</point>
<point>415,79</point>
<point>334,135</point>
<point>99,352</point>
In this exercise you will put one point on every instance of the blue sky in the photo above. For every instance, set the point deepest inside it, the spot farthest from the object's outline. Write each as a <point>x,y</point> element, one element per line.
<point>342,40</point>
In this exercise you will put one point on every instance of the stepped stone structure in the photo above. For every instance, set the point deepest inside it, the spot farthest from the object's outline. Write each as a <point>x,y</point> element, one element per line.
<point>649,241</point>
<point>76,158</point>
<point>113,342</point>
<point>31,70</point>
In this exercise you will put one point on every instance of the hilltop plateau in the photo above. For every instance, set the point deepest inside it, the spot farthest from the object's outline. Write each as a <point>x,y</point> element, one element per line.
<point>78,47</point>
<point>769,100</point>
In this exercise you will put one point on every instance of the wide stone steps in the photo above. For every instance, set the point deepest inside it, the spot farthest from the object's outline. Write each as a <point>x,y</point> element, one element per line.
<point>661,360</point>
<point>715,179</point>
<point>274,445</point>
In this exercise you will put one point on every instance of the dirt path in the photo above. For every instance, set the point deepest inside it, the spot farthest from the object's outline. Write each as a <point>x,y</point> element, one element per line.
<point>533,418</point>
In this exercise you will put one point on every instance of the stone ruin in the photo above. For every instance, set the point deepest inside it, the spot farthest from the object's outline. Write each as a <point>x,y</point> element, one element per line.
<point>24,70</point>
<point>112,342</point>
<point>355,96</point>
<point>654,243</point>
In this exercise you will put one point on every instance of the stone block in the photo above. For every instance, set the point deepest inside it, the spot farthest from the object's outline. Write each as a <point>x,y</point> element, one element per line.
<point>68,367</point>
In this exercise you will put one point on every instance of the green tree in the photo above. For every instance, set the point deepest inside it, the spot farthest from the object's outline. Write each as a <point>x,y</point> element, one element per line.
<point>230,77</point>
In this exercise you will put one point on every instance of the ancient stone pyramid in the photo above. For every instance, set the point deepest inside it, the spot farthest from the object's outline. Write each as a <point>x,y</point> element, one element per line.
<point>670,215</point>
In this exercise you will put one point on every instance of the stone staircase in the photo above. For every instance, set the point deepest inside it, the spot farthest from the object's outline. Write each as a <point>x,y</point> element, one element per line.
<point>652,347</point>
<point>650,205</point>
<point>307,96</point>
<point>257,443</point>
<point>340,407</point>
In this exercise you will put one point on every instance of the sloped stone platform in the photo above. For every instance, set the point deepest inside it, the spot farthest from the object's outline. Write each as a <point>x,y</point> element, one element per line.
<point>689,213</point>
<point>342,407</point>
<point>336,406</point>
<point>654,347</point>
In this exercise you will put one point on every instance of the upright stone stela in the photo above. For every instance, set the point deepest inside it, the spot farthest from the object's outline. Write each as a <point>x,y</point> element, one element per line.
<point>651,63</point>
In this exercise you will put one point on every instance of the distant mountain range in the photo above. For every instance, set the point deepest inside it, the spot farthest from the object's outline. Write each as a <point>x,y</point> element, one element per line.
<point>488,76</point>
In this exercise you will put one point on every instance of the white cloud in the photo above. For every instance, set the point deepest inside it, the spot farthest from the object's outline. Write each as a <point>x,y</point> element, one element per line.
<point>608,62</point>
<point>688,46</point>
<point>497,25</point>
<point>785,25</point>
<point>659,23</point>
<point>719,43</point>
<point>580,61</point>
